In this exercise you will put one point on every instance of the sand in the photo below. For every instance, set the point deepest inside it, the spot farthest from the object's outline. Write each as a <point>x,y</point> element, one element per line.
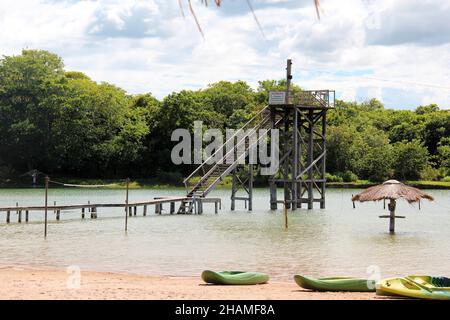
<point>49,283</point>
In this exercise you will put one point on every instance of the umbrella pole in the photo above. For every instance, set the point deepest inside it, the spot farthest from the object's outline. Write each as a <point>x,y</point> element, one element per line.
<point>392,205</point>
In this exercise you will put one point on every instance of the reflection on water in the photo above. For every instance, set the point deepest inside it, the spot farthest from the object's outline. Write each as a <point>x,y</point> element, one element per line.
<point>337,241</point>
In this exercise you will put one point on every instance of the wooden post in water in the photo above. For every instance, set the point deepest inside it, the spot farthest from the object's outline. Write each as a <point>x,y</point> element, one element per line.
<point>19,214</point>
<point>145,211</point>
<point>46,205</point>
<point>58,212</point>
<point>26,215</point>
<point>135,210</point>
<point>285,214</point>
<point>82,213</point>
<point>8,216</point>
<point>126,206</point>
<point>172,207</point>
<point>392,205</point>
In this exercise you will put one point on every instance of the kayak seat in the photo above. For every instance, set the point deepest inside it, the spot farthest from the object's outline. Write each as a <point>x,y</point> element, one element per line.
<point>440,282</point>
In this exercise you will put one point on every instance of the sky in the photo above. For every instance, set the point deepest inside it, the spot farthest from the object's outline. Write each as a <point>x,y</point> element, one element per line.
<point>397,51</point>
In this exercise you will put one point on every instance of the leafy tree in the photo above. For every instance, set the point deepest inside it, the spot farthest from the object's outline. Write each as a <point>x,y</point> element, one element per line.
<point>444,154</point>
<point>436,126</point>
<point>427,109</point>
<point>410,159</point>
<point>29,84</point>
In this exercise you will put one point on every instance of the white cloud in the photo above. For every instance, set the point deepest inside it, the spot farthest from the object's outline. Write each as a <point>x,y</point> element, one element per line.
<point>146,46</point>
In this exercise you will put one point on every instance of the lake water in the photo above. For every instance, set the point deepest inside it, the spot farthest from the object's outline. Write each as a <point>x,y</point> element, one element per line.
<point>339,240</point>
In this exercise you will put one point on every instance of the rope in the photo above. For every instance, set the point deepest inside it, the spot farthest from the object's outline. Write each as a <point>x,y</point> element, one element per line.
<point>92,186</point>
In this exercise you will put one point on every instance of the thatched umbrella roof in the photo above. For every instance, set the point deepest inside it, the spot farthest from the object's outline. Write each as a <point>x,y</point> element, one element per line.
<point>392,189</point>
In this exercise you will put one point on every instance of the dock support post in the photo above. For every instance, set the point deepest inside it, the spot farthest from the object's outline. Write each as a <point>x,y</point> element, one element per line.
<point>324,160</point>
<point>172,207</point>
<point>17,212</point>
<point>250,188</point>
<point>273,195</point>
<point>233,191</point>
<point>94,212</point>
<point>126,205</point>
<point>82,213</point>
<point>145,211</point>
<point>135,211</point>
<point>19,217</point>
<point>158,208</point>
<point>46,205</point>
<point>216,205</point>
<point>26,215</point>
<point>310,157</point>
<point>8,216</point>
<point>200,206</point>
<point>57,215</point>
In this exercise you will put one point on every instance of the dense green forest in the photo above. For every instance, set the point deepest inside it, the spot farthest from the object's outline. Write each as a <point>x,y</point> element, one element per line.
<point>65,124</point>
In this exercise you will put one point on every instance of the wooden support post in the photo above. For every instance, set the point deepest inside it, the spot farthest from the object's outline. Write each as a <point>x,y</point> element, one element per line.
<point>19,214</point>
<point>324,159</point>
<point>273,196</point>
<point>95,212</point>
<point>90,209</point>
<point>54,204</point>
<point>46,205</point>
<point>82,213</point>
<point>216,205</point>
<point>135,210</point>
<point>392,205</point>
<point>126,205</point>
<point>26,215</point>
<point>144,213</point>
<point>285,214</point>
<point>8,216</point>
<point>295,161</point>
<point>286,147</point>
<point>200,206</point>
<point>58,215</point>
<point>172,207</point>
<point>158,208</point>
<point>310,157</point>
<point>250,188</point>
<point>233,190</point>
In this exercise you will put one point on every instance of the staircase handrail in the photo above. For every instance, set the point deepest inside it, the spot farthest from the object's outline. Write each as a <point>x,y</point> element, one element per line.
<point>224,144</point>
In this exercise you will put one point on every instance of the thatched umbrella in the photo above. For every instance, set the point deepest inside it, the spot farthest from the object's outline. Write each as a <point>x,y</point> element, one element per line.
<point>392,190</point>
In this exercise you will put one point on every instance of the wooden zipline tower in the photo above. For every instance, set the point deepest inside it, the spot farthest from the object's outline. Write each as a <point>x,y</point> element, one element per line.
<point>302,145</point>
<point>301,121</point>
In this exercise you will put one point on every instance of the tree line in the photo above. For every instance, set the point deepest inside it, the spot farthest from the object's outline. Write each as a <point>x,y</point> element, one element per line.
<point>63,123</point>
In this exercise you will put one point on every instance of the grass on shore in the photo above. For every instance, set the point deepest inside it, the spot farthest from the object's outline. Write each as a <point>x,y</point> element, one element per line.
<point>225,184</point>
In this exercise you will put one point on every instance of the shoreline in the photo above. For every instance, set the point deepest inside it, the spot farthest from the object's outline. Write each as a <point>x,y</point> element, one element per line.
<point>136,185</point>
<point>49,283</point>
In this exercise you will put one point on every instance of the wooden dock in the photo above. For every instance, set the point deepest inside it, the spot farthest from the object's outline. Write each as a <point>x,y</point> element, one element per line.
<point>130,208</point>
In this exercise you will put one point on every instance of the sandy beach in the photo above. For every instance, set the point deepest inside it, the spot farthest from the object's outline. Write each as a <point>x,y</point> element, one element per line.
<point>48,283</point>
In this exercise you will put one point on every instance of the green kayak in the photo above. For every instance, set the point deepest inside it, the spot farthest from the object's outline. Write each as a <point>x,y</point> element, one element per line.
<point>419,287</point>
<point>234,277</point>
<point>336,284</point>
